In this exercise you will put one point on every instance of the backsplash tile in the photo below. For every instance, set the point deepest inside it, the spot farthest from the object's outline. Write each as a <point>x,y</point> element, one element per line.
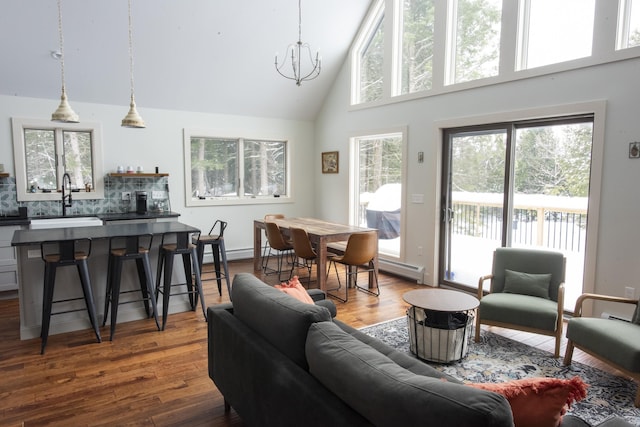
<point>112,202</point>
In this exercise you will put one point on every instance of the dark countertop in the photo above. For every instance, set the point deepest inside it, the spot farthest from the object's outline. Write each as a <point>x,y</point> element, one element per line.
<point>34,237</point>
<point>17,220</point>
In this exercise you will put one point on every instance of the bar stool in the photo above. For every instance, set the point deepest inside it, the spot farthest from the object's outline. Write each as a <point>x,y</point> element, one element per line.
<point>219,253</point>
<point>189,259</point>
<point>121,249</point>
<point>65,253</point>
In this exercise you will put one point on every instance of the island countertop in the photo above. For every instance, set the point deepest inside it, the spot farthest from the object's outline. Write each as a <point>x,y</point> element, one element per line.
<point>35,237</point>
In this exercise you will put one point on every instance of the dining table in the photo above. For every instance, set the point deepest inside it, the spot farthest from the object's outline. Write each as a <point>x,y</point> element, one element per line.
<point>321,234</point>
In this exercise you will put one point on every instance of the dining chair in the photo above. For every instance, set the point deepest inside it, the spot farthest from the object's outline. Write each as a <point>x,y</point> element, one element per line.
<point>359,256</point>
<point>265,248</point>
<point>282,247</point>
<point>303,251</point>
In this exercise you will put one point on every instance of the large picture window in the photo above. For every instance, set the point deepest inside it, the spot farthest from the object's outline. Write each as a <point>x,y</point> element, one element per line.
<point>45,151</point>
<point>223,170</point>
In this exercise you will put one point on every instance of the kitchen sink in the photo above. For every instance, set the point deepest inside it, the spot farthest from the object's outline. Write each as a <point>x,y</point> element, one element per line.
<point>64,222</point>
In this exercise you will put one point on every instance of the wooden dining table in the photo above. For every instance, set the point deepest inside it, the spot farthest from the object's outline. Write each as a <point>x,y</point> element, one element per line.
<point>321,233</point>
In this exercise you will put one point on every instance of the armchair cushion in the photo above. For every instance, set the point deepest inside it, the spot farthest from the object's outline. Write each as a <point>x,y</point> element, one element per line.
<point>536,285</point>
<point>615,340</point>
<point>509,308</point>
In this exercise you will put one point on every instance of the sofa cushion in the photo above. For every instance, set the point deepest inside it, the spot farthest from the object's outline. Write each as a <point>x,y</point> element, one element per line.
<point>281,320</point>
<point>508,308</point>
<point>389,395</point>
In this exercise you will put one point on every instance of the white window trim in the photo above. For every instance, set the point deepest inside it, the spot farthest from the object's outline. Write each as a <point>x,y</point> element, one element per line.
<point>23,195</point>
<point>233,200</point>
<point>354,169</point>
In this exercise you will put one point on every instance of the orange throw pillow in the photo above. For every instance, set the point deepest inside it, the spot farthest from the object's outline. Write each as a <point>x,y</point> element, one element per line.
<point>539,402</point>
<point>296,290</point>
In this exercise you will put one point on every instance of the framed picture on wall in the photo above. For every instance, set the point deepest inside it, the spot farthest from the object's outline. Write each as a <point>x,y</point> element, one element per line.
<point>330,162</point>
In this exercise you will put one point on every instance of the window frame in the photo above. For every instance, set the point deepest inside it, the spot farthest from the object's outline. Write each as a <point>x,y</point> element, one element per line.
<point>240,199</point>
<point>95,129</point>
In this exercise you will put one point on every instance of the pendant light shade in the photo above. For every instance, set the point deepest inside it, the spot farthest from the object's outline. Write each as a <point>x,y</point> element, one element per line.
<point>63,113</point>
<point>132,119</point>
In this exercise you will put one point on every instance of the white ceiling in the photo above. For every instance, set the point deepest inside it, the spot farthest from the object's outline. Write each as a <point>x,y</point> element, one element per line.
<point>213,56</point>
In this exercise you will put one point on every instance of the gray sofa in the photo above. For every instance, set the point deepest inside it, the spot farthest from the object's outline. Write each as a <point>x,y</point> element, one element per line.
<point>281,362</point>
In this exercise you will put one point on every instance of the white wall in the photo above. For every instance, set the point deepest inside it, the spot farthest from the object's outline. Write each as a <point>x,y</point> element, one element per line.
<point>161,144</point>
<point>618,251</point>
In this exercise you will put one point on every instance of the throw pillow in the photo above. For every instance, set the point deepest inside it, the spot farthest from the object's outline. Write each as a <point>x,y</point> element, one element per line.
<point>295,289</point>
<point>536,285</point>
<point>539,402</point>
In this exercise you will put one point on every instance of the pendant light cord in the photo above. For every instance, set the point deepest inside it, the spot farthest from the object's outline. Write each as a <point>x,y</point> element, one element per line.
<point>130,49</point>
<point>61,40</point>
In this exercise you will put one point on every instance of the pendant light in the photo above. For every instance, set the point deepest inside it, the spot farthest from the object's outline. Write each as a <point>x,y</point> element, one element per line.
<point>297,51</point>
<point>63,113</point>
<point>132,119</point>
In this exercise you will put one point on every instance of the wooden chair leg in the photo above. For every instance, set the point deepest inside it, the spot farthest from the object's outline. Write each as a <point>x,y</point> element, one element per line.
<point>569,354</point>
<point>477,337</point>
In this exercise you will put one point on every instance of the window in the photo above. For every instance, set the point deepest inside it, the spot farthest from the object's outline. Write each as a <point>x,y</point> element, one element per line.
<point>475,39</point>
<point>416,72</point>
<point>415,48</point>
<point>369,57</point>
<point>629,24</point>
<point>553,31</point>
<point>521,184</point>
<point>44,151</point>
<point>223,170</point>
<point>377,188</point>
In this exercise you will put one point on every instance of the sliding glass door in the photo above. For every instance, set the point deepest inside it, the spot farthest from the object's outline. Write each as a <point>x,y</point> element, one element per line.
<point>520,184</point>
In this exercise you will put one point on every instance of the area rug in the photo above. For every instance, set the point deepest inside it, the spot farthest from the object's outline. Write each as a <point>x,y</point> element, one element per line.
<point>497,359</point>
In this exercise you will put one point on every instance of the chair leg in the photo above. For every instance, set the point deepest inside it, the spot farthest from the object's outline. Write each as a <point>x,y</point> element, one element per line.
<point>115,295</point>
<point>146,265</point>
<point>166,287</point>
<point>215,250</point>
<point>47,302</point>
<point>225,266</point>
<point>568,354</point>
<point>142,280</point>
<point>477,337</point>
<point>83,270</point>
<point>107,298</point>
<point>198,283</point>
<point>186,263</point>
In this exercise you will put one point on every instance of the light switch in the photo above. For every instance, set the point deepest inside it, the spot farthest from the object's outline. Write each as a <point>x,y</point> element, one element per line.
<point>417,198</point>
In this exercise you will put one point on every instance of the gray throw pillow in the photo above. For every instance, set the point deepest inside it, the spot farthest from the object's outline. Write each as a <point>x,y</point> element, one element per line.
<point>536,285</point>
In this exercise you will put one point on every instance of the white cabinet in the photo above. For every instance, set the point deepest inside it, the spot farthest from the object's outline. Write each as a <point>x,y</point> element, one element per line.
<point>8,259</point>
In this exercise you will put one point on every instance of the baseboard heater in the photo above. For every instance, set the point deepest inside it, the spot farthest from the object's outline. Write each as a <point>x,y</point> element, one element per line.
<point>606,315</point>
<point>401,269</point>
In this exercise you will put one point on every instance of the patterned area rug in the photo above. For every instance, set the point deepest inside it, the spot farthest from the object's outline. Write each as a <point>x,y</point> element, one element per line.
<point>496,359</point>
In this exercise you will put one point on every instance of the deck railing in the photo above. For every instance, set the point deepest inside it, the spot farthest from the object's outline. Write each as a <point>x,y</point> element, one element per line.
<point>545,221</point>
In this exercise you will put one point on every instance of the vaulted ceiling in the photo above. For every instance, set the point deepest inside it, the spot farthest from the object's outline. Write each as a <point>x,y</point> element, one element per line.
<point>212,56</point>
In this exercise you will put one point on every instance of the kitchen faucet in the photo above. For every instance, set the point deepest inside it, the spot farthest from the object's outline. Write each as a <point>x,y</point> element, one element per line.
<point>66,205</point>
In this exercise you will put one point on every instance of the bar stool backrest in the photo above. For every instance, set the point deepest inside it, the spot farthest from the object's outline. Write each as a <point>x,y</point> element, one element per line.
<point>130,245</point>
<point>65,251</point>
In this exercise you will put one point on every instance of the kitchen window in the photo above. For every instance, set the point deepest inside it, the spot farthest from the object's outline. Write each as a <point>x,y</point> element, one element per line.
<point>235,170</point>
<point>44,151</point>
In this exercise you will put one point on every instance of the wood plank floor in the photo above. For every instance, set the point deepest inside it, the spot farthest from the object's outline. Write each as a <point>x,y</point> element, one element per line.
<point>150,378</point>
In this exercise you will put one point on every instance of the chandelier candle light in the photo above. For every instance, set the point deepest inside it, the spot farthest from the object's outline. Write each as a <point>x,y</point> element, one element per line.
<point>132,119</point>
<point>297,50</point>
<point>63,113</point>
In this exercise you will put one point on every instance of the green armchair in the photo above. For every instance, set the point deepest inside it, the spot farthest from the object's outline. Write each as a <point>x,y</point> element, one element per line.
<point>527,292</point>
<point>614,342</point>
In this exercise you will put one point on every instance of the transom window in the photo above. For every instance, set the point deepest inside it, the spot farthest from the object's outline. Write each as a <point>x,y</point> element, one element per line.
<point>410,48</point>
<point>224,170</point>
<point>45,151</point>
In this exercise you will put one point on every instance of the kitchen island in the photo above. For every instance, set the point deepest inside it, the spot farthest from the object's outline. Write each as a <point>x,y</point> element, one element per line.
<point>31,273</point>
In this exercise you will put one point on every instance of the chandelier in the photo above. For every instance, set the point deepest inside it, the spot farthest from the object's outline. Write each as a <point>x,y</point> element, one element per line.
<point>297,50</point>
<point>63,113</point>
<point>132,119</point>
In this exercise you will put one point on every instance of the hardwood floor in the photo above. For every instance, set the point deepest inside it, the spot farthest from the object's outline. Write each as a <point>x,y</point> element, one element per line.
<point>150,378</point>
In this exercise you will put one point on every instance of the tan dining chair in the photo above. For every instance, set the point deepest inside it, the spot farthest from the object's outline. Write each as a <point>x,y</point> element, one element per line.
<point>359,256</point>
<point>303,251</point>
<point>265,247</point>
<point>278,246</point>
